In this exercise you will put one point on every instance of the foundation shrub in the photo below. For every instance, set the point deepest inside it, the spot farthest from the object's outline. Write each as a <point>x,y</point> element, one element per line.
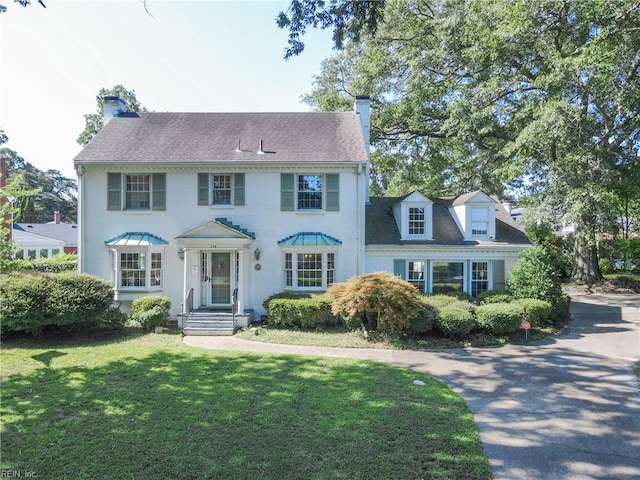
<point>500,318</point>
<point>494,296</point>
<point>455,319</point>
<point>306,311</point>
<point>424,320</point>
<point>151,311</point>
<point>536,312</point>
<point>31,301</point>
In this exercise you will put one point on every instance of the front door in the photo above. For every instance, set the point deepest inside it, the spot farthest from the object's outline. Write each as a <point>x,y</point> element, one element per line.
<point>216,278</point>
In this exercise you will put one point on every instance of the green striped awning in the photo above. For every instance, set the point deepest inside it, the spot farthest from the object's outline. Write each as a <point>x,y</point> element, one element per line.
<point>138,239</point>
<point>314,239</point>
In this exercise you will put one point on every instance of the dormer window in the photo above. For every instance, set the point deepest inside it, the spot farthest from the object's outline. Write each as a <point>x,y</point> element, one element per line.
<point>475,215</point>
<point>416,221</point>
<point>414,216</point>
<point>479,221</point>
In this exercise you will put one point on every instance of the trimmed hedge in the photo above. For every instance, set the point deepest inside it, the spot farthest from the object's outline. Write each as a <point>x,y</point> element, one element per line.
<point>500,318</point>
<point>455,319</point>
<point>439,300</point>
<point>151,311</point>
<point>307,311</point>
<point>537,312</point>
<point>494,296</point>
<point>31,301</point>
<point>423,321</point>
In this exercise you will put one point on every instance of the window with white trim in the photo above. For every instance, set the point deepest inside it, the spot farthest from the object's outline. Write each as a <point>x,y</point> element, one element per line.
<point>309,192</point>
<point>220,189</point>
<point>141,191</point>
<point>479,278</point>
<point>137,269</point>
<point>479,221</point>
<point>309,270</point>
<point>448,277</point>
<point>416,274</point>
<point>416,221</point>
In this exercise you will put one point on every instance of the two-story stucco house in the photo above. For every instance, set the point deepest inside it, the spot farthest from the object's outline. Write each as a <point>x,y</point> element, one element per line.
<point>221,210</point>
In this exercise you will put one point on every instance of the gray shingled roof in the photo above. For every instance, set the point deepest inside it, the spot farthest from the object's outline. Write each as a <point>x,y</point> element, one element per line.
<point>67,232</point>
<point>382,229</point>
<point>206,137</point>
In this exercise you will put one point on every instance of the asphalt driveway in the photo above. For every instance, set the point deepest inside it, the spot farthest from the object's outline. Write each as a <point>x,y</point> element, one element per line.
<point>564,408</point>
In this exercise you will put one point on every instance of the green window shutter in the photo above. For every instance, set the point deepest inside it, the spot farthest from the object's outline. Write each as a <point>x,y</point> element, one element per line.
<point>333,192</point>
<point>497,267</point>
<point>287,192</point>
<point>238,188</point>
<point>114,191</point>
<point>203,189</point>
<point>159,197</point>
<point>400,268</point>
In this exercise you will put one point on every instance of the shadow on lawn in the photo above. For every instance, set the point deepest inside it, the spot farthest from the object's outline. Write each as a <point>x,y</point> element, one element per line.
<point>186,415</point>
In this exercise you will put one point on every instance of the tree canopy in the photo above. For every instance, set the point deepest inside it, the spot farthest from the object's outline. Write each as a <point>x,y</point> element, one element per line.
<point>538,96</point>
<point>94,122</point>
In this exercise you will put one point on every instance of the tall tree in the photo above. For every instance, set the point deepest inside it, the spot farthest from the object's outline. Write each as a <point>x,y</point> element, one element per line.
<point>541,94</point>
<point>94,122</point>
<point>41,192</point>
<point>349,19</point>
<point>22,3</point>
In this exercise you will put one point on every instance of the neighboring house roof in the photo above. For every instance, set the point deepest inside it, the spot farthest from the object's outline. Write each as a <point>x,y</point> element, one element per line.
<point>382,228</point>
<point>66,232</point>
<point>204,137</point>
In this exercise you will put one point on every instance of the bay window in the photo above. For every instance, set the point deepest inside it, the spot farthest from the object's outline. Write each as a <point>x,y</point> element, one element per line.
<point>309,270</point>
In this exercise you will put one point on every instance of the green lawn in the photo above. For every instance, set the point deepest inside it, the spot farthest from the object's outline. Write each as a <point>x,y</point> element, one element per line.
<point>147,406</point>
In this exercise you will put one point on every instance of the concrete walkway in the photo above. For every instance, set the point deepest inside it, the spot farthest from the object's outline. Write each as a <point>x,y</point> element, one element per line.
<point>567,407</point>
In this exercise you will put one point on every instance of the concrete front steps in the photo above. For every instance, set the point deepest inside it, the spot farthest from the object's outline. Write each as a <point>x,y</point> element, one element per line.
<point>214,323</point>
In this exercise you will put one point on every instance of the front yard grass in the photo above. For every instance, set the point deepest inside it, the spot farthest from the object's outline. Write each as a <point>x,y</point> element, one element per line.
<point>147,406</point>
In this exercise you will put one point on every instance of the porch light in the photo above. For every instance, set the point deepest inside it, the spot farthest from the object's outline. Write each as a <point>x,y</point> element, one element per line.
<point>181,253</point>
<point>256,254</point>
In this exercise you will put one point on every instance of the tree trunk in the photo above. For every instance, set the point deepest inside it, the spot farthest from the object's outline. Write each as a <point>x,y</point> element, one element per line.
<point>585,265</point>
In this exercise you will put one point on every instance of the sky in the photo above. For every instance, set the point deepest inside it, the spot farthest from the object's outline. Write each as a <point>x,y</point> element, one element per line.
<point>187,56</point>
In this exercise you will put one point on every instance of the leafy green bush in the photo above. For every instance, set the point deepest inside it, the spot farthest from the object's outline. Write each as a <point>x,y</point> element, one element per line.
<point>534,276</point>
<point>55,264</point>
<point>379,301</point>
<point>439,300</point>
<point>31,301</point>
<point>560,309</point>
<point>494,296</point>
<point>308,311</point>
<point>500,318</point>
<point>151,311</point>
<point>424,320</point>
<point>606,267</point>
<point>454,319</point>
<point>537,312</point>
<point>154,317</point>
<point>463,296</point>
<point>114,318</point>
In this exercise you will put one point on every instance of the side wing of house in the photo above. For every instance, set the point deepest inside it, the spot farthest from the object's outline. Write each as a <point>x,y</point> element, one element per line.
<point>465,244</point>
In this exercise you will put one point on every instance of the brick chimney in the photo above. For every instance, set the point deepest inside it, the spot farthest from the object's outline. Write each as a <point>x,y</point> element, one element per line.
<point>56,217</point>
